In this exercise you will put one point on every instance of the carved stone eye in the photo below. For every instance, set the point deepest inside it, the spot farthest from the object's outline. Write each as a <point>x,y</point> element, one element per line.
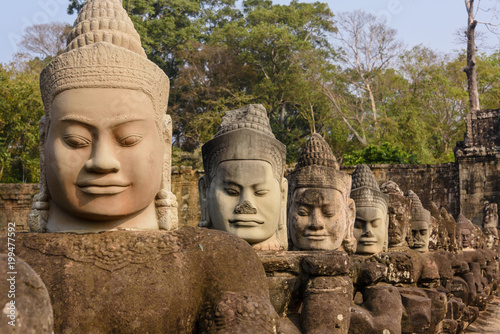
<point>76,141</point>
<point>231,192</point>
<point>262,192</point>
<point>130,140</point>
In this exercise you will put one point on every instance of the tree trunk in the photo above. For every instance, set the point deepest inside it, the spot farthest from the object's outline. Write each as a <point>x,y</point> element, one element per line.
<point>470,68</point>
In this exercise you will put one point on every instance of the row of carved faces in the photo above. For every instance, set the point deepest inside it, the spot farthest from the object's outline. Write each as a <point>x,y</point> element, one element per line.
<point>104,156</point>
<point>245,199</point>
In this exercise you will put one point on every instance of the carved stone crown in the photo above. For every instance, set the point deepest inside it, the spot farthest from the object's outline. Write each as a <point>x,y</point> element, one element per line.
<point>391,187</point>
<point>104,21</point>
<point>244,134</point>
<point>463,222</point>
<point>418,213</point>
<point>365,190</point>
<point>317,152</point>
<point>104,51</point>
<point>318,168</point>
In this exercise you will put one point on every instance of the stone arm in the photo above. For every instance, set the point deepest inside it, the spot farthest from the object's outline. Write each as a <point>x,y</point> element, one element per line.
<point>238,290</point>
<point>240,314</point>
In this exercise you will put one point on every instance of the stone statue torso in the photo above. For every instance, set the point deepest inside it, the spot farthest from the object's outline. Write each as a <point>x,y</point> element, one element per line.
<point>151,282</point>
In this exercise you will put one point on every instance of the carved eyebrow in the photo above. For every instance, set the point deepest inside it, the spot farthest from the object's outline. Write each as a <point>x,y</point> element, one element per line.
<point>231,183</point>
<point>76,119</point>
<point>90,122</point>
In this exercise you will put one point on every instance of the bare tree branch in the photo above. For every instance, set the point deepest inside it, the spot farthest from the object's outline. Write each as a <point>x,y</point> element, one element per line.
<point>46,40</point>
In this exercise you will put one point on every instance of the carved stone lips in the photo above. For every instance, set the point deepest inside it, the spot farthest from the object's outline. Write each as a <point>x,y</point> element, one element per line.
<point>316,236</point>
<point>102,188</point>
<point>246,222</point>
<point>367,241</point>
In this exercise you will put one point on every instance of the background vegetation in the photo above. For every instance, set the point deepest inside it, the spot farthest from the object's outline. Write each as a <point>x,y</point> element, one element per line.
<point>343,75</point>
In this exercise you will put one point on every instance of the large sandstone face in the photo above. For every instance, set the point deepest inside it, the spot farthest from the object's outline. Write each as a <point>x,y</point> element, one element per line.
<point>370,227</point>
<point>105,138</point>
<point>320,212</point>
<point>244,191</point>
<point>104,160</point>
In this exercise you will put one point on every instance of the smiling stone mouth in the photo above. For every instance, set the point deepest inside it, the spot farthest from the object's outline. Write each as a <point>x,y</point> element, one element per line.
<point>367,241</point>
<point>246,222</point>
<point>317,237</point>
<point>102,189</point>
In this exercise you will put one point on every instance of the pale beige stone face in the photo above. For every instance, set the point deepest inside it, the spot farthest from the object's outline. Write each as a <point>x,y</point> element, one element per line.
<point>103,160</point>
<point>245,199</point>
<point>370,229</point>
<point>318,219</point>
<point>466,237</point>
<point>421,234</point>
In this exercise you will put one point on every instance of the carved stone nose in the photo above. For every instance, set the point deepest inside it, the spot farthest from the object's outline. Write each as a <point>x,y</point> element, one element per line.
<point>368,234</point>
<point>245,208</point>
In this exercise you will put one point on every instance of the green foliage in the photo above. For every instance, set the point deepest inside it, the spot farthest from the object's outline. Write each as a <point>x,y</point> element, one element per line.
<point>183,158</point>
<point>21,108</point>
<point>380,154</point>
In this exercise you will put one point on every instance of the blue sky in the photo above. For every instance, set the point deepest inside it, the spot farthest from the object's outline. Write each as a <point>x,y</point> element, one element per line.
<point>428,22</point>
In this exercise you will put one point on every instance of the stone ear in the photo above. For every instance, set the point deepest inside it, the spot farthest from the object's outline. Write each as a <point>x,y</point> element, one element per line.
<point>351,211</point>
<point>166,126</point>
<point>281,232</point>
<point>349,243</point>
<point>165,131</point>
<point>386,241</point>
<point>284,191</point>
<point>202,192</point>
<point>39,214</point>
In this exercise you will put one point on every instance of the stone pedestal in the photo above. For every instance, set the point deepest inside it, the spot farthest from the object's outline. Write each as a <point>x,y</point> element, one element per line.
<point>186,281</point>
<point>311,289</point>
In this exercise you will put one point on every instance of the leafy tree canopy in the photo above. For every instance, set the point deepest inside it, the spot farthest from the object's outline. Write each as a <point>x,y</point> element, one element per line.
<point>380,154</point>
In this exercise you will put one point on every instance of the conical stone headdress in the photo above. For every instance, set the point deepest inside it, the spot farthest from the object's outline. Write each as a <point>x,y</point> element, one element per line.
<point>365,190</point>
<point>463,222</point>
<point>104,51</point>
<point>244,134</point>
<point>318,168</point>
<point>418,213</point>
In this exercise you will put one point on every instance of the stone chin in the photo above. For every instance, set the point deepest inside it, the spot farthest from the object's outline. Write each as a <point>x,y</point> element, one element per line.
<point>368,248</point>
<point>420,249</point>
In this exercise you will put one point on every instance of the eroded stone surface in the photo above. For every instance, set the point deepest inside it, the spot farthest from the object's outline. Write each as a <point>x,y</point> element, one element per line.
<point>399,214</point>
<point>25,302</point>
<point>193,280</point>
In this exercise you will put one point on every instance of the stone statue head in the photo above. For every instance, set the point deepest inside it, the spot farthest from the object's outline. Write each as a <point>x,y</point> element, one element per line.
<point>420,224</point>
<point>442,240</point>
<point>105,136</point>
<point>399,215</point>
<point>320,212</point>
<point>244,189</point>
<point>491,235</point>
<point>370,226</point>
<point>490,215</point>
<point>450,225</point>
<point>464,232</point>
